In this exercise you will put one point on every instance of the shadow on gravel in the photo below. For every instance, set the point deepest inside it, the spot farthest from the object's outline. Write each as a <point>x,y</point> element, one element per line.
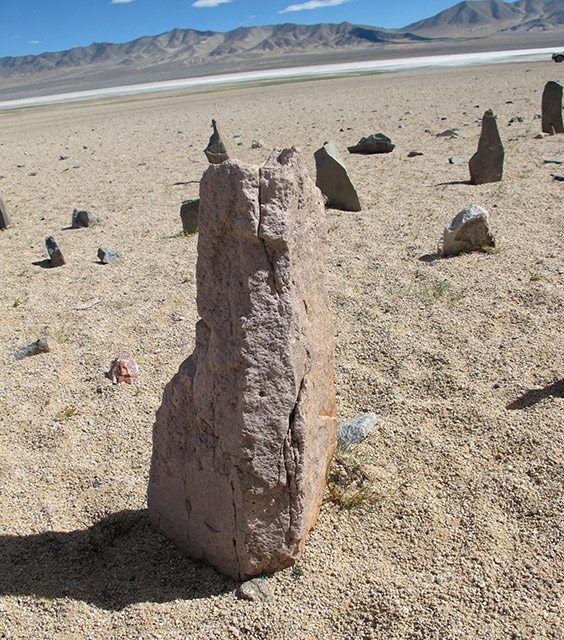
<point>430,257</point>
<point>116,562</point>
<point>536,395</point>
<point>452,182</point>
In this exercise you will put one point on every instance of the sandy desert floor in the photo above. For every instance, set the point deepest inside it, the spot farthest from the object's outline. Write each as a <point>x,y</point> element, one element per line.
<point>461,359</point>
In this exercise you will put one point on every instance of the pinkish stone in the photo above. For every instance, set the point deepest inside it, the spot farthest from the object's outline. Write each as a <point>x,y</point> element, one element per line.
<point>123,369</point>
<point>247,426</point>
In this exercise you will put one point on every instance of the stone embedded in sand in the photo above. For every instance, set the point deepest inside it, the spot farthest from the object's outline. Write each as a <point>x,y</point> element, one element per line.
<point>123,369</point>
<point>189,215</point>
<point>54,252</point>
<point>486,165</point>
<point>333,180</point>
<point>552,108</point>
<point>82,218</point>
<point>39,346</point>
<point>355,430</point>
<point>216,151</point>
<point>107,256</point>
<point>469,230</point>
<point>374,143</point>
<point>247,426</point>
<point>5,220</point>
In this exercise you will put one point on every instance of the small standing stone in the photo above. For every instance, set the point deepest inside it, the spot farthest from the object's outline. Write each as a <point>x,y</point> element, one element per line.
<point>54,252</point>
<point>486,165</point>
<point>107,256</point>
<point>374,143</point>
<point>414,154</point>
<point>469,230</point>
<point>4,217</point>
<point>552,108</point>
<point>83,218</point>
<point>39,346</point>
<point>333,180</point>
<point>189,212</point>
<point>353,431</point>
<point>123,369</point>
<point>216,151</point>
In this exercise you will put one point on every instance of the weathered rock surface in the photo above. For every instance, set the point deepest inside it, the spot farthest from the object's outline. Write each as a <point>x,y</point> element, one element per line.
<point>333,180</point>
<point>257,590</point>
<point>107,256</point>
<point>82,218</point>
<point>486,165</point>
<point>355,430</point>
<point>123,369</point>
<point>5,220</point>
<point>469,230</point>
<point>552,108</point>
<point>247,426</point>
<point>39,346</point>
<point>189,215</point>
<point>54,252</point>
<point>374,143</point>
<point>216,151</point>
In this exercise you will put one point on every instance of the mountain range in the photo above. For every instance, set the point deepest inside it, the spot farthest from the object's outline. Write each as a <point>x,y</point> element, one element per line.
<point>469,25</point>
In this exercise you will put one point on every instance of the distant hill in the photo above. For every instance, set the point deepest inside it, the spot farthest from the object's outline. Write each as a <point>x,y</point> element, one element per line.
<point>488,17</point>
<point>187,47</point>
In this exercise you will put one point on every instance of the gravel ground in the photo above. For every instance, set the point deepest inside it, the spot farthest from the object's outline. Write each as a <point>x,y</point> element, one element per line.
<point>460,358</point>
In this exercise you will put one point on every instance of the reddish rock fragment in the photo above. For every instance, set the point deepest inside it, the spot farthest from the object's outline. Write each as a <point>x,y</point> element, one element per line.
<point>123,369</point>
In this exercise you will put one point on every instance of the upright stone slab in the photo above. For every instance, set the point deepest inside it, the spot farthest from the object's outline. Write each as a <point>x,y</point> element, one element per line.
<point>247,426</point>
<point>469,230</point>
<point>552,108</point>
<point>189,215</point>
<point>216,151</point>
<point>333,180</point>
<point>4,217</point>
<point>486,165</point>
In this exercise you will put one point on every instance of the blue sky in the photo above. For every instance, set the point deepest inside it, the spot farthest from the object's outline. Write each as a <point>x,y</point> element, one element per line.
<point>36,26</point>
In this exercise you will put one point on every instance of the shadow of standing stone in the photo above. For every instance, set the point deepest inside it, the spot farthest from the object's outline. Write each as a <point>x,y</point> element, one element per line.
<point>333,180</point>
<point>4,217</point>
<point>552,108</point>
<point>486,165</point>
<point>189,215</point>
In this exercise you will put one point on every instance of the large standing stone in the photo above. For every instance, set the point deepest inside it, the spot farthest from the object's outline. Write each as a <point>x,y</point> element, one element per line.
<point>469,230</point>
<point>247,426</point>
<point>486,165</point>
<point>552,108</point>
<point>333,180</point>
<point>4,217</point>
<point>216,151</point>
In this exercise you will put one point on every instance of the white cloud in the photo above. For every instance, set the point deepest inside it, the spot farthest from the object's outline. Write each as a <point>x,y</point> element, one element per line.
<point>313,4</point>
<point>208,3</point>
<point>120,1</point>
<point>15,37</point>
<point>35,42</point>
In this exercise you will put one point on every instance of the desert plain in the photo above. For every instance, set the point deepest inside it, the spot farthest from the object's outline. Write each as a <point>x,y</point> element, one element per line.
<point>460,358</point>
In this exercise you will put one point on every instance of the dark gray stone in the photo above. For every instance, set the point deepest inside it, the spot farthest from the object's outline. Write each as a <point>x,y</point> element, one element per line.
<point>107,256</point>
<point>333,180</point>
<point>486,165</point>
<point>353,431</point>
<point>216,151</point>
<point>189,212</point>
<point>54,252</point>
<point>468,231</point>
<point>555,160</point>
<point>414,154</point>
<point>5,220</point>
<point>39,346</point>
<point>557,176</point>
<point>82,218</point>
<point>456,160</point>
<point>552,108</point>
<point>374,143</point>
<point>447,133</point>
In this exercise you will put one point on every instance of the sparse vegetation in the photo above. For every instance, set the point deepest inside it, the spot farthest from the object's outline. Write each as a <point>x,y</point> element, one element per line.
<point>441,290</point>
<point>67,412</point>
<point>350,484</point>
